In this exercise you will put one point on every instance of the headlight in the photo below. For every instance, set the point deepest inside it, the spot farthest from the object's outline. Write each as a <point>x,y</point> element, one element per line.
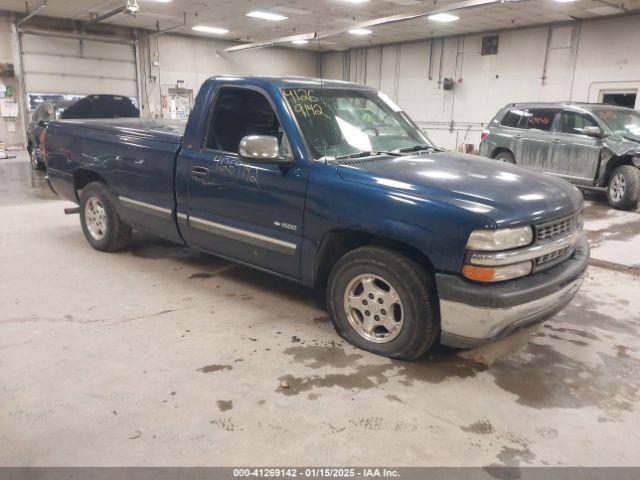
<point>497,274</point>
<point>500,239</point>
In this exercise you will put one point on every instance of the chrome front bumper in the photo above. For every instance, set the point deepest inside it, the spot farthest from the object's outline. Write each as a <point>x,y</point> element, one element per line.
<point>472,314</point>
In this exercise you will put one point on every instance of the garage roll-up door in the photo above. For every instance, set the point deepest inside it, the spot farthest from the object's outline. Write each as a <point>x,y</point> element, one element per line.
<point>71,66</point>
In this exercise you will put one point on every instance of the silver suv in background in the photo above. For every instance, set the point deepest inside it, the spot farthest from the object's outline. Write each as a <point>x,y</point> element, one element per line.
<point>591,145</point>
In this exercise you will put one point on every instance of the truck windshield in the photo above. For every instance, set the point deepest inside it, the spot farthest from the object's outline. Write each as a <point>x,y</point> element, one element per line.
<point>621,122</point>
<point>348,122</point>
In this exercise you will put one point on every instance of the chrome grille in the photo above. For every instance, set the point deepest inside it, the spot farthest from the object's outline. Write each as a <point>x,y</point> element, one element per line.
<point>550,257</point>
<point>559,228</point>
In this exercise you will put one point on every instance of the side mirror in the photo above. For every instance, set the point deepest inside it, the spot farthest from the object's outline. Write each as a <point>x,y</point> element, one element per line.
<point>262,149</point>
<point>43,123</point>
<point>592,132</point>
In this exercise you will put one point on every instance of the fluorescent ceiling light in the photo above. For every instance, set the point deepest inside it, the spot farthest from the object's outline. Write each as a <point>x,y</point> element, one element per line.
<point>360,31</point>
<point>300,42</point>
<point>266,16</point>
<point>206,29</point>
<point>443,17</point>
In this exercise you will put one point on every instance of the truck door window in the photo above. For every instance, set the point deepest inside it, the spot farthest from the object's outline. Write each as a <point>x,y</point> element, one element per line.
<point>540,120</point>
<point>239,112</point>
<point>574,122</point>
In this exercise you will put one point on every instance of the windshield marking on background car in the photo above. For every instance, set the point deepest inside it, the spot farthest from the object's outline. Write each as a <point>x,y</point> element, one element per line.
<point>620,121</point>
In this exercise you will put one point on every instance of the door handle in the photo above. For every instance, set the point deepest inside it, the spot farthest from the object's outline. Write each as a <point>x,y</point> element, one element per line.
<point>517,136</point>
<point>556,140</point>
<point>200,173</point>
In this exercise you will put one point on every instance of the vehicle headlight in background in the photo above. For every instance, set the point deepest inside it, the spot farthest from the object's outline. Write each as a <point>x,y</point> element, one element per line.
<point>500,239</point>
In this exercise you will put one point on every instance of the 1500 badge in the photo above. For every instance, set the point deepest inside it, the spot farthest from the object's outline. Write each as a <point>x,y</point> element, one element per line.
<point>286,226</point>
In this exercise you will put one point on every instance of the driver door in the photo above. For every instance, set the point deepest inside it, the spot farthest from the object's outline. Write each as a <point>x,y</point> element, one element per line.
<point>575,154</point>
<point>247,211</point>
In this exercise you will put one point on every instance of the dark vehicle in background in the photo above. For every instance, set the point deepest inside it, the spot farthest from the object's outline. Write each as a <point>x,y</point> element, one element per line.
<point>92,106</point>
<point>44,113</point>
<point>102,106</point>
<point>591,145</point>
<point>332,185</point>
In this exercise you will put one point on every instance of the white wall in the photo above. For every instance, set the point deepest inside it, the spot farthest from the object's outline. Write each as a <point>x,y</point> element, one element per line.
<point>64,66</point>
<point>68,66</point>
<point>195,59</point>
<point>7,56</point>
<point>583,59</point>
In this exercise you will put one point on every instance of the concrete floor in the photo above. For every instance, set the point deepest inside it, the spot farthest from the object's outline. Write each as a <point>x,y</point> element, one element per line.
<point>160,355</point>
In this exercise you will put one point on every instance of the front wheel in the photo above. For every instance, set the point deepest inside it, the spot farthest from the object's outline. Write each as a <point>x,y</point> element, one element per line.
<point>100,221</point>
<point>383,302</point>
<point>623,189</point>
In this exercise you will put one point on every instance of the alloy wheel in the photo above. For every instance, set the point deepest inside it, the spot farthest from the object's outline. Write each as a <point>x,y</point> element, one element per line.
<point>95,218</point>
<point>373,308</point>
<point>617,187</point>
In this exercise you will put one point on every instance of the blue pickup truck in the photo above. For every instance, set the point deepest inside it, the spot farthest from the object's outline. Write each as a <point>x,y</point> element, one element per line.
<point>331,184</point>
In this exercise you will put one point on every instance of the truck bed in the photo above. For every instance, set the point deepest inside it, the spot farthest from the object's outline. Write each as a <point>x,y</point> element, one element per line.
<point>135,157</point>
<point>170,131</point>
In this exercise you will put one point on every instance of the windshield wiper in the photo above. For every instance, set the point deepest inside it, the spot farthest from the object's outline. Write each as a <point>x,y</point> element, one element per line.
<point>367,153</point>
<point>417,148</point>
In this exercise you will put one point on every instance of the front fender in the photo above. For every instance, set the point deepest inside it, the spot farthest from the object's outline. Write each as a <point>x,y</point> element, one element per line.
<point>437,229</point>
<point>613,149</point>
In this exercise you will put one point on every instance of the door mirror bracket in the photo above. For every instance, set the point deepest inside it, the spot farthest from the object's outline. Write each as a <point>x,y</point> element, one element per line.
<point>262,149</point>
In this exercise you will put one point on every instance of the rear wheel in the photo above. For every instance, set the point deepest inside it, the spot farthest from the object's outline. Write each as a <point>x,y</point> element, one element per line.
<point>100,222</point>
<point>383,302</point>
<point>506,157</point>
<point>623,189</point>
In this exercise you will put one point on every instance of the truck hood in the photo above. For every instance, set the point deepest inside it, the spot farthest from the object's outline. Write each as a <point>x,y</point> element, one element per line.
<point>507,194</point>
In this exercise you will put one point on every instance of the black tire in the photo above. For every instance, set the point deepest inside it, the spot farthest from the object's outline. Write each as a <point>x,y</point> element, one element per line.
<point>505,156</point>
<point>36,164</point>
<point>623,188</point>
<point>109,234</point>
<point>414,287</point>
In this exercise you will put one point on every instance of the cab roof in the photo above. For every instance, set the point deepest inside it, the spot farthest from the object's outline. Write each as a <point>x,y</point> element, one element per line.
<point>288,81</point>
<point>577,105</point>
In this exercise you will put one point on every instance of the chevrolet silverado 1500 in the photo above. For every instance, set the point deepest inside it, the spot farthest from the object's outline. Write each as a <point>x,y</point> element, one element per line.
<point>331,184</point>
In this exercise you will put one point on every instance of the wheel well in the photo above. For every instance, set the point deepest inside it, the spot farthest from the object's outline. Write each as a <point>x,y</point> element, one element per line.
<point>612,164</point>
<point>498,150</point>
<point>335,244</point>
<point>82,178</point>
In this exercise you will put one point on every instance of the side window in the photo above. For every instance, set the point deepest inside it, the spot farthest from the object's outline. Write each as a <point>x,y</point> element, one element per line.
<point>540,119</point>
<point>574,122</point>
<point>239,112</point>
<point>512,118</point>
<point>47,112</point>
<point>44,112</point>
<point>37,115</point>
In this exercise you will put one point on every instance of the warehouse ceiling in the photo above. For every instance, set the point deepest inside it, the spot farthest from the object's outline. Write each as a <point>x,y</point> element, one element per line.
<point>308,16</point>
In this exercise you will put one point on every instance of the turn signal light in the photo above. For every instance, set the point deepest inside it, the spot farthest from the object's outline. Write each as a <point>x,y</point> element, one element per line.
<point>479,274</point>
<point>497,274</point>
<point>484,134</point>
